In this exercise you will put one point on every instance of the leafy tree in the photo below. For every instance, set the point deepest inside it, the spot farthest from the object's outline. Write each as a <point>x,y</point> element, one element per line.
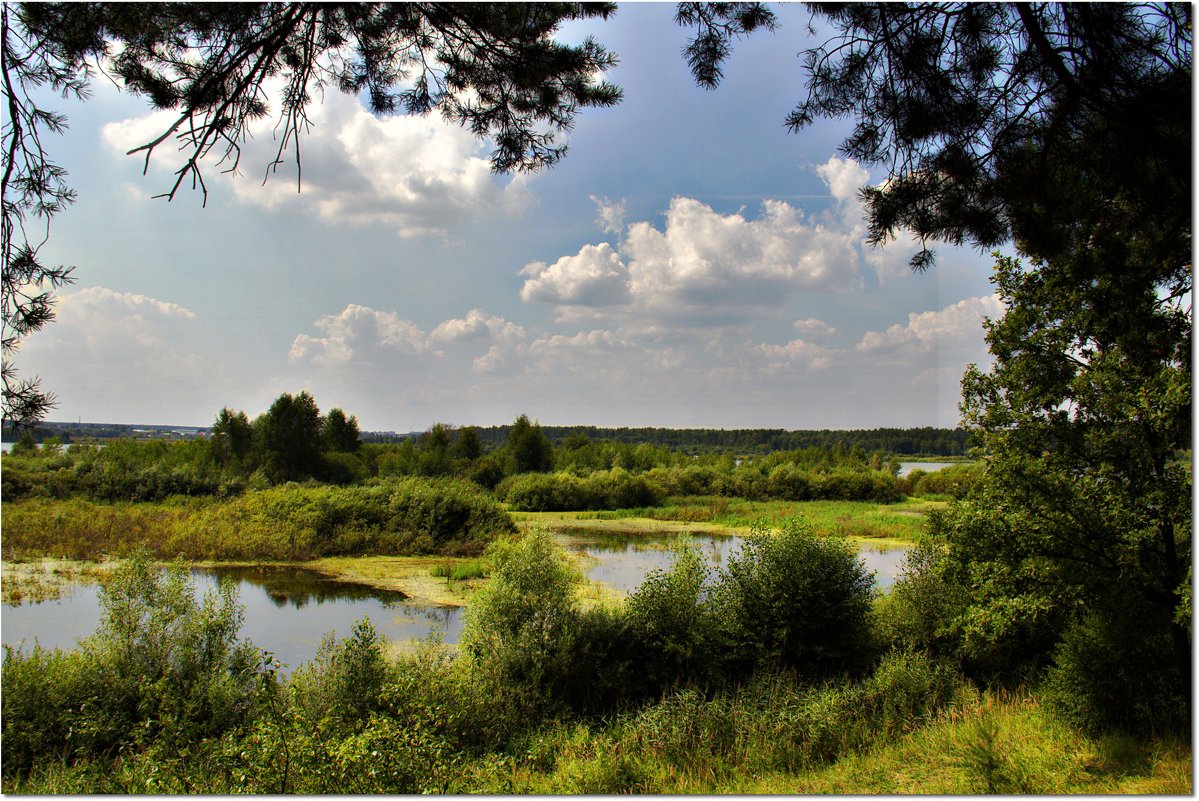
<point>529,448</point>
<point>1083,517</point>
<point>467,444</point>
<point>493,68</point>
<point>232,436</point>
<point>288,437</point>
<point>340,434</point>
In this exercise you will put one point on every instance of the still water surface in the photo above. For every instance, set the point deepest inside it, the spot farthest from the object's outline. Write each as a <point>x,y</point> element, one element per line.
<point>288,611</point>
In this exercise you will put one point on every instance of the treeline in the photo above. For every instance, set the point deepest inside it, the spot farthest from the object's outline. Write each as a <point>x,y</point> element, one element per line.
<point>901,441</point>
<point>924,441</point>
<point>294,442</point>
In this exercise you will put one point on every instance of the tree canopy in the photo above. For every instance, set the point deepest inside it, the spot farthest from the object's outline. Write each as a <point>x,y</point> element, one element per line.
<point>975,108</point>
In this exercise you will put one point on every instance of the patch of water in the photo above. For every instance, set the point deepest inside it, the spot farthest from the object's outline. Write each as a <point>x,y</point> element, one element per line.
<point>289,611</point>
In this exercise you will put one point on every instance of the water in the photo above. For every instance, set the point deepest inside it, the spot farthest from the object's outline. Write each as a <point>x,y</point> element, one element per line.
<point>928,467</point>
<point>288,611</point>
<point>623,561</point>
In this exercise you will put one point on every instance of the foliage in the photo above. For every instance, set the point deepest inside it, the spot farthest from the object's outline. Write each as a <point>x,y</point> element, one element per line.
<point>32,188</point>
<point>162,666</point>
<point>790,600</point>
<point>978,110</point>
<point>672,626</point>
<point>520,627</point>
<point>291,522</point>
<point>528,448</point>
<point>289,437</point>
<point>1085,503</point>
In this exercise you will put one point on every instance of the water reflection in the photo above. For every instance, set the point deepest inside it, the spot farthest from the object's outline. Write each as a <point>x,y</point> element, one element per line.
<point>289,611</point>
<point>298,587</point>
<point>623,560</point>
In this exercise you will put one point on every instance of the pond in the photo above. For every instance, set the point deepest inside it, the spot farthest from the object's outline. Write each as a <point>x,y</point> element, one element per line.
<point>288,611</point>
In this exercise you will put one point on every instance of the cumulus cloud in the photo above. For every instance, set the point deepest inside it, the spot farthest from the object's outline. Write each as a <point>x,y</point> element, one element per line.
<point>610,214</point>
<point>595,276</point>
<point>357,331</point>
<point>954,327</point>
<point>475,326</point>
<point>359,336</point>
<point>701,267</point>
<point>417,175</point>
<point>813,327</point>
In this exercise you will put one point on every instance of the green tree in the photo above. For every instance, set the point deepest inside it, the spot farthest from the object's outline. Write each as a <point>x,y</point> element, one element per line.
<point>232,436</point>
<point>1083,517</point>
<point>339,433</point>
<point>494,68</point>
<point>288,437</point>
<point>529,448</point>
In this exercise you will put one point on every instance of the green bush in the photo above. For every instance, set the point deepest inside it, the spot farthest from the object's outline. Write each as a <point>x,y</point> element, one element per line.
<point>670,621</point>
<point>1116,671</point>
<point>546,492</point>
<point>955,482</point>
<point>521,626</point>
<point>789,599</point>
<point>161,667</point>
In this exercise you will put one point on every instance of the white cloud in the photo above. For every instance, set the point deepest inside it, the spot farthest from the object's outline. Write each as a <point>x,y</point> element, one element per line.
<point>358,332</point>
<point>952,329</point>
<point>119,356</point>
<point>594,277</point>
<point>701,267</point>
<point>477,325</point>
<point>844,178</point>
<point>610,214</point>
<point>813,327</point>
<point>420,176</point>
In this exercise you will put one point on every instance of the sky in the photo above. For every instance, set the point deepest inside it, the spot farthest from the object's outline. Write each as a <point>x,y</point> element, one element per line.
<point>690,263</point>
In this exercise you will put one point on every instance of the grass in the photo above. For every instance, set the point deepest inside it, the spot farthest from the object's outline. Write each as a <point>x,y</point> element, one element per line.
<point>1002,747</point>
<point>902,521</point>
<point>39,580</point>
<point>996,745</point>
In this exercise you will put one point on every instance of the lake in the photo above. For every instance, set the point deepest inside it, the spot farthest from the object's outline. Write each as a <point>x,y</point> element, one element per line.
<point>288,611</point>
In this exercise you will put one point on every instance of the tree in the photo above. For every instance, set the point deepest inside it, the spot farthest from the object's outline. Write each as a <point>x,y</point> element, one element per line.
<point>1066,129</point>
<point>975,107</point>
<point>232,436</point>
<point>530,449</point>
<point>340,434</point>
<point>32,188</point>
<point>493,68</point>
<point>1083,519</point>
<point>288,436</point>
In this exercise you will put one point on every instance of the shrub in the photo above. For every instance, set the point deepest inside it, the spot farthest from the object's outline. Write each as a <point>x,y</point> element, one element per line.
<point>671,623</point>
<point>956,481</point>
<point>162,667</point>
<point>521,626</point>
<point>788,599</point>
<point>344,682</point>
<point>545,492</point>
<point>1115,671</point>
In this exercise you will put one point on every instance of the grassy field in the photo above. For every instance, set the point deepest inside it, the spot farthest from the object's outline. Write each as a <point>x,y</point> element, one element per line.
<point>901,521</point>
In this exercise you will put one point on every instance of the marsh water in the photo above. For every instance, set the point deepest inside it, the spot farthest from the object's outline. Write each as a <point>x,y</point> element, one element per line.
<point>288,611</point>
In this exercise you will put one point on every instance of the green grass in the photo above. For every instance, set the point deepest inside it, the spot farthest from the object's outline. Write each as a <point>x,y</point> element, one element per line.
<point>903,520</point>
<point>992,745</point>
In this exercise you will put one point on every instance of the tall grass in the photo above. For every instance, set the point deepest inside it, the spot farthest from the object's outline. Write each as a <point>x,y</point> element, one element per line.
<point>291,522</point>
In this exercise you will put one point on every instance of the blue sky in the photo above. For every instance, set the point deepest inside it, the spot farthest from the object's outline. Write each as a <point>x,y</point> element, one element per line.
<point>690,263</point>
